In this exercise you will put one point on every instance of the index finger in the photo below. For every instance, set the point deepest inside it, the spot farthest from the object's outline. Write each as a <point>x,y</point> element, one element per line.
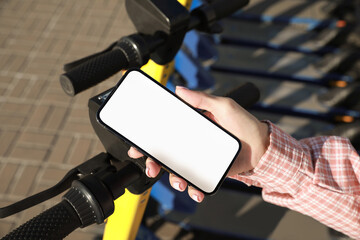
<point>197,99</point>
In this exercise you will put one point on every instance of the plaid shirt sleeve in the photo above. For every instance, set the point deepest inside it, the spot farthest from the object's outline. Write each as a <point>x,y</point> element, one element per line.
<point>316,176</point>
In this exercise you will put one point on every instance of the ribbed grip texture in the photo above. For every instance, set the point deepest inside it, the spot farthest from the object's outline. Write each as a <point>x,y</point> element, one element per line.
<point>93,71</point>
<point>131,54</point>
<point>55,223</point>
<point>225,8</point>
<point>83,207</point>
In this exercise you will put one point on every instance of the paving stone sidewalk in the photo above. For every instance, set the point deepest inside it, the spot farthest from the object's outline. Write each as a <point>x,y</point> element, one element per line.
<point>44,132</point>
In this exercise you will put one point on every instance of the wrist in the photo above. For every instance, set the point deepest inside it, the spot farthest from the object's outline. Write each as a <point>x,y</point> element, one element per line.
<point>262,144</point>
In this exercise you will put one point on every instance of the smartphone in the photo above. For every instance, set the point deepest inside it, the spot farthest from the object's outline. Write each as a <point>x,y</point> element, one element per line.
<point>165,128</point>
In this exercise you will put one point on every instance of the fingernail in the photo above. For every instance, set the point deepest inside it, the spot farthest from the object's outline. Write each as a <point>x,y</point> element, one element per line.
<point>147,172</point>
<point>195,198</point>
<point>177,186</point>
<point>181,87</point>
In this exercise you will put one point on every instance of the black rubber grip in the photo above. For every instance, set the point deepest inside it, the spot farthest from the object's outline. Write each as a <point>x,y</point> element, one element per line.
<point>93,71</point>
<point>245,95</point>
<point>55,223</point>
<point>226,8</point>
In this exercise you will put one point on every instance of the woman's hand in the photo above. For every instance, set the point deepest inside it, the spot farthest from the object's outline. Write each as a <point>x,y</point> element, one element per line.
<point>252,133</point>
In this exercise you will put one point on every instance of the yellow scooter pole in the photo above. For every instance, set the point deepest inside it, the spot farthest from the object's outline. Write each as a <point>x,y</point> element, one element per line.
<point>124,223</point>
<point>129,208</point>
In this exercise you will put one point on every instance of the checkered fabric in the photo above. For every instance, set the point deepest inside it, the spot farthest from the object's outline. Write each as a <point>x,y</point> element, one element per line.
<point>316,176</point>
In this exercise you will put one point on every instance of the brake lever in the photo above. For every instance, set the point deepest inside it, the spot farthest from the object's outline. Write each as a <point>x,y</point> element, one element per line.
<point>91,166</point>
<point>40,197</point>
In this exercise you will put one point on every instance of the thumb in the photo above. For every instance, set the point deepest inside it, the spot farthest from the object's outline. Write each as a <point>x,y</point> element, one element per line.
<point>197,99</point>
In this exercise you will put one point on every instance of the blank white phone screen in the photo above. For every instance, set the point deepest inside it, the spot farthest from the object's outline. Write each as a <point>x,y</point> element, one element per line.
<point>164,127</point>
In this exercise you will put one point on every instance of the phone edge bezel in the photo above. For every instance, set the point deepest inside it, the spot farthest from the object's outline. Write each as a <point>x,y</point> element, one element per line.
<point>149,155</point>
